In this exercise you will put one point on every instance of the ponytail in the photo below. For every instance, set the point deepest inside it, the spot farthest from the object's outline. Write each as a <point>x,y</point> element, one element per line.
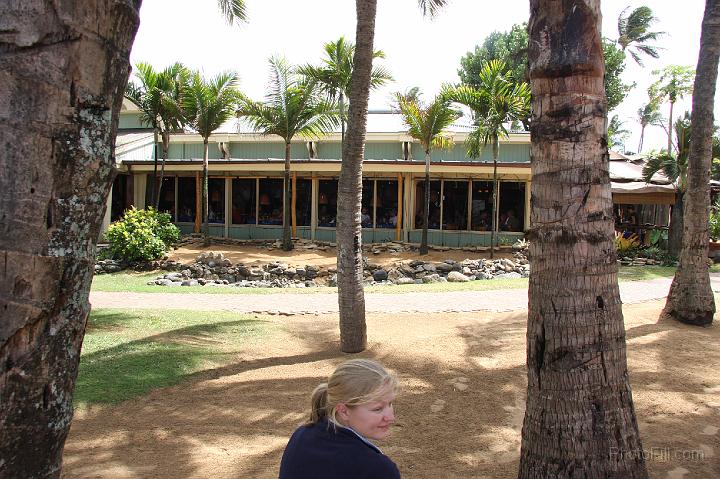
<point>318,403</point>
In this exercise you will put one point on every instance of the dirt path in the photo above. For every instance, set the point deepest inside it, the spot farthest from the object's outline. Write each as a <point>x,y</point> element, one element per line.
<point>326,303</point>
<point>460,411</point>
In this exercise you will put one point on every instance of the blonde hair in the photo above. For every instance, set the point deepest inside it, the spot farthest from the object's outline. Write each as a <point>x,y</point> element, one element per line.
<point>354,382</point>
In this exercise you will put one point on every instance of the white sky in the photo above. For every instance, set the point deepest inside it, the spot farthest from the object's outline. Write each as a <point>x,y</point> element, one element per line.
<point>420,52</point>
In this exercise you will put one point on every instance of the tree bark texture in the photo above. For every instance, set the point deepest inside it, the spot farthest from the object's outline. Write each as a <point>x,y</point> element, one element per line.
<point>287,240</point>
<point>675,229</point>
<point>691,298</point>
<point>351,297</point>
<point>426,206</point>
<point>63,71</point>
<point>205,202</point>
<point>579,420</point>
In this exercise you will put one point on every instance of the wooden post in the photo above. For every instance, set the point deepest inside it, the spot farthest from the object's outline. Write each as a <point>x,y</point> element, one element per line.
<point>398,226</point>
<point>294,203</point>
<point>198,202</point>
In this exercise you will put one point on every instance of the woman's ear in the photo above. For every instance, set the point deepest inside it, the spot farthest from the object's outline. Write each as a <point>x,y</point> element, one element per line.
<point>342,410</point>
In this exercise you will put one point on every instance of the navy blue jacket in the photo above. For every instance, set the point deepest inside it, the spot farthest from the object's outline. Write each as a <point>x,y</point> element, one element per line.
<point>321,451</point>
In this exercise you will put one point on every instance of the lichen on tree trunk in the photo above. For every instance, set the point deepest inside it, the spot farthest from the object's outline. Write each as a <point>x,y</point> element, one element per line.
<point>63,70</point>
<point>579,419</point>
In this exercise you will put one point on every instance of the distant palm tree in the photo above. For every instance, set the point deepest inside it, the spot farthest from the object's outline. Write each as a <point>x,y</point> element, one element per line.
<point>634,33</point>
<point>294,106</point>
<point>207,105</point>
<point>233,10</point>
<point>496,103</point>
<point>674,83</point>
<point>426,123</point>
<point>158,97</point>
<point>648,115</point>
<point>617,133</point>
<point>334,75</point>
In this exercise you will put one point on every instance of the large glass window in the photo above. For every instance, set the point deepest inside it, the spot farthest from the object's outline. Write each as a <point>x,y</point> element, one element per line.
<point>482,206</point>
<point>167,196</point>
<point>434,217</point>
<point>303,202</point>
<point>387,204</point>
<point>216,200</point>
<point>455,205</point>
<point>512,206</point>
<point>366,210</point>
<point>186,199</point>
<point>243,201</point>
<point>327,202</point>
<point>122,196</point>
<point>271,201</point>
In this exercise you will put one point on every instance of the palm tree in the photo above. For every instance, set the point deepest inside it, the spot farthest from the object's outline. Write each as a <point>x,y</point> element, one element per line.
<point>293,107</point>
<point>674,83</point>
<point>158,97</point>
<point>617,133</point>
<point>579,418</point>
<point>496,102</point>
<point>233,10</point>
<point>634,32</point>
<point>335,74</point>
<point>207,105</point>
<point>648,114</point>
<point>426,124</point>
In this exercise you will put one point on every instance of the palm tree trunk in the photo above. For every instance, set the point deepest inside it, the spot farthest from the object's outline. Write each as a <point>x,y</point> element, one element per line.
<point>675,229</point>
<point>579,418</point>
<point>426,206</point>
<point>60,127</point>
<point>493,222</point>
<point>287,239</point>
<point>342,120</point>
<point>206,209</point>
<point>670,129</point>
<point>153,188</point>
<point>165,148</point>
<point>642,137</point>
<point>691,298</point>
<point>351,298</point>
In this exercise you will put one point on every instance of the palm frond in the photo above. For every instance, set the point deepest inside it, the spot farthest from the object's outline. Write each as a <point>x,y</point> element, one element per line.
<point>233,10</point>
<point>431,7</point>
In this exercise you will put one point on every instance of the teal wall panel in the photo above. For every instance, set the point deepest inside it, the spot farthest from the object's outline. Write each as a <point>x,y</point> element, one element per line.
<point>185,228</point>
<point>266,232</point>
<point>325,234</point>
<point>217,231</point>
<point>240,232</point>
<point>131,121</point>
<point>384,150</point>
<point>304,232</point>
<point>329,151</point>
<point>509,153</point>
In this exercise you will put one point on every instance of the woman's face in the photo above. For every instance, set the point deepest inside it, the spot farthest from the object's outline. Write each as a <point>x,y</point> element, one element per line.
<point>371,420</point>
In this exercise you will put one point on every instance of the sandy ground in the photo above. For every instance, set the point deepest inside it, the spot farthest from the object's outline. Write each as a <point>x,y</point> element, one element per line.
<point>459,414</point>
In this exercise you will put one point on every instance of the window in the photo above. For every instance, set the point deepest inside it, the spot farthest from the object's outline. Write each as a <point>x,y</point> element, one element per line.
<point>387,204</point>
<point>455,205</point>
<point>327,202</point>
<point>303,202</point>
<point>482,206</point>
<point>243,201</point>
<point>167,196</point>
<point>512,206</point>
<point>271,201</point>
<point>122,196</point>
<point>216,200</point>
<point>368,199</point>
<point>186,199</point>
<point>434,217</point>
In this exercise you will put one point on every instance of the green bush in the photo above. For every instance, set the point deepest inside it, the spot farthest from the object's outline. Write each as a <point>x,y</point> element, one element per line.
<point>142,235</point>
<point>715,221</point>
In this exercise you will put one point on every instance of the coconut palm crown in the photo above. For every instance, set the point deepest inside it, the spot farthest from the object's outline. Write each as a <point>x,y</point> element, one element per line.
<point>634,33</point>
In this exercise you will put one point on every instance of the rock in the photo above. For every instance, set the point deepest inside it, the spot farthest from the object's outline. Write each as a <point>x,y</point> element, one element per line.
<point>380,275</point>
<point>511,275</point>
<point>163,282</point>
<point>457,277</point>
<point>189,282</point>
<point>431,278</point>
<point>444,267</point>
<point>429,267</point>
<point>405,280</point>
<point>466,271</point>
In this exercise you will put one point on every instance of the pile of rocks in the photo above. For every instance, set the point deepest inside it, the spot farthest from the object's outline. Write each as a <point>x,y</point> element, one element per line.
<point>639,261</point>
<point>213,269</point>
<point>105,266</point>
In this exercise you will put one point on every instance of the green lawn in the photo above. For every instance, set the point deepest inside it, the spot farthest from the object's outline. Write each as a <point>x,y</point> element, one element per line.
<point>126,353</point>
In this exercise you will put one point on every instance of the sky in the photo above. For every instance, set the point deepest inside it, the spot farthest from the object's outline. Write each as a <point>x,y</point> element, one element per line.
<point>419,51</point>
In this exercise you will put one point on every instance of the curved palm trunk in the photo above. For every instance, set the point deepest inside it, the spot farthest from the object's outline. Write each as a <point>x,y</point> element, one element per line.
<point>493,222</point>
<point>670,128</point>
<point>691,297</point>
<point>65,66</point>
<point>426,206</point>
<point>579,419</point>
<point>353,331</point>
<point>153,190</point>
<point>287,239</point>
<point>165,148</point>
<point>675,228</point>
<point>206,218</point>
<point>642,137</point>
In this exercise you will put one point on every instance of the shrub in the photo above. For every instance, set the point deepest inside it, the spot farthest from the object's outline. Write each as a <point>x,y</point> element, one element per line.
<point>142,235</point>
<point>626,242</point>
<point>715,221</point>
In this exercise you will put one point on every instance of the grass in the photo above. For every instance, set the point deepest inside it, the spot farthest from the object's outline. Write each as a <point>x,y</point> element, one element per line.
<point>126,353</point>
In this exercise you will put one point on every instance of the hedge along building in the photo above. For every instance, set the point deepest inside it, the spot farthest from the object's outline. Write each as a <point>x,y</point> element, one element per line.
<point>245,188</point>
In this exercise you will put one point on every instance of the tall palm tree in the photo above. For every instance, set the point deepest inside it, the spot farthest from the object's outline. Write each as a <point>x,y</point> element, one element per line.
<point>634,33</point>
<point>674,83</point>
<point>158,97</point>
<point>207,105</point>
<point>648,115</point>
<point>334,75</point>
<point>426,123</point>
<point>496,102</point>
<point>351,300</point>
<point>579,419</point>
<point>294,106</point>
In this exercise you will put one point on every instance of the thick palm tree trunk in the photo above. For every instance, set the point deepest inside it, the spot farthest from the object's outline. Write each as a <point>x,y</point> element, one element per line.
<point>579,419</point>
<point>675,228</point>
<point>64,69</point>
<point>351,298</point>
<point>426,206</point>
<point>287,239</point>
<point>691,297</point>
<point>206,208</point>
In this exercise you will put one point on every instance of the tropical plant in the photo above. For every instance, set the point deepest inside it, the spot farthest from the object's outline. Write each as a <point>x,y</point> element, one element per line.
<point>142,235</point>
<point>233,10</point>
<point>625,243</point>
<point>294,106</point>
<point>207,105</point>
<point>617,133</point>
<point>691,299</point>
<point>648,115</point>
<point>714,222</point>
<point>496,102</point>
<point>578,389</point>
<point>158,96</point>
<point>334,75</point>
<point>673,84</point>
<point>634,33</point>
<point>615,89</point>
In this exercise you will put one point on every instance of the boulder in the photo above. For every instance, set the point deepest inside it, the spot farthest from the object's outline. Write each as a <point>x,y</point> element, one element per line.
<point>380,275</point>
<point>457,277</point>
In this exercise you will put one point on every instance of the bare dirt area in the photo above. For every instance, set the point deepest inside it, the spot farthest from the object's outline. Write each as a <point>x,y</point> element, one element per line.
<point>459,413</point>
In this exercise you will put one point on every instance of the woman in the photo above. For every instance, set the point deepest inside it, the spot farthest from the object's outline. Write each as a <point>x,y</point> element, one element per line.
<point>352,408</point>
